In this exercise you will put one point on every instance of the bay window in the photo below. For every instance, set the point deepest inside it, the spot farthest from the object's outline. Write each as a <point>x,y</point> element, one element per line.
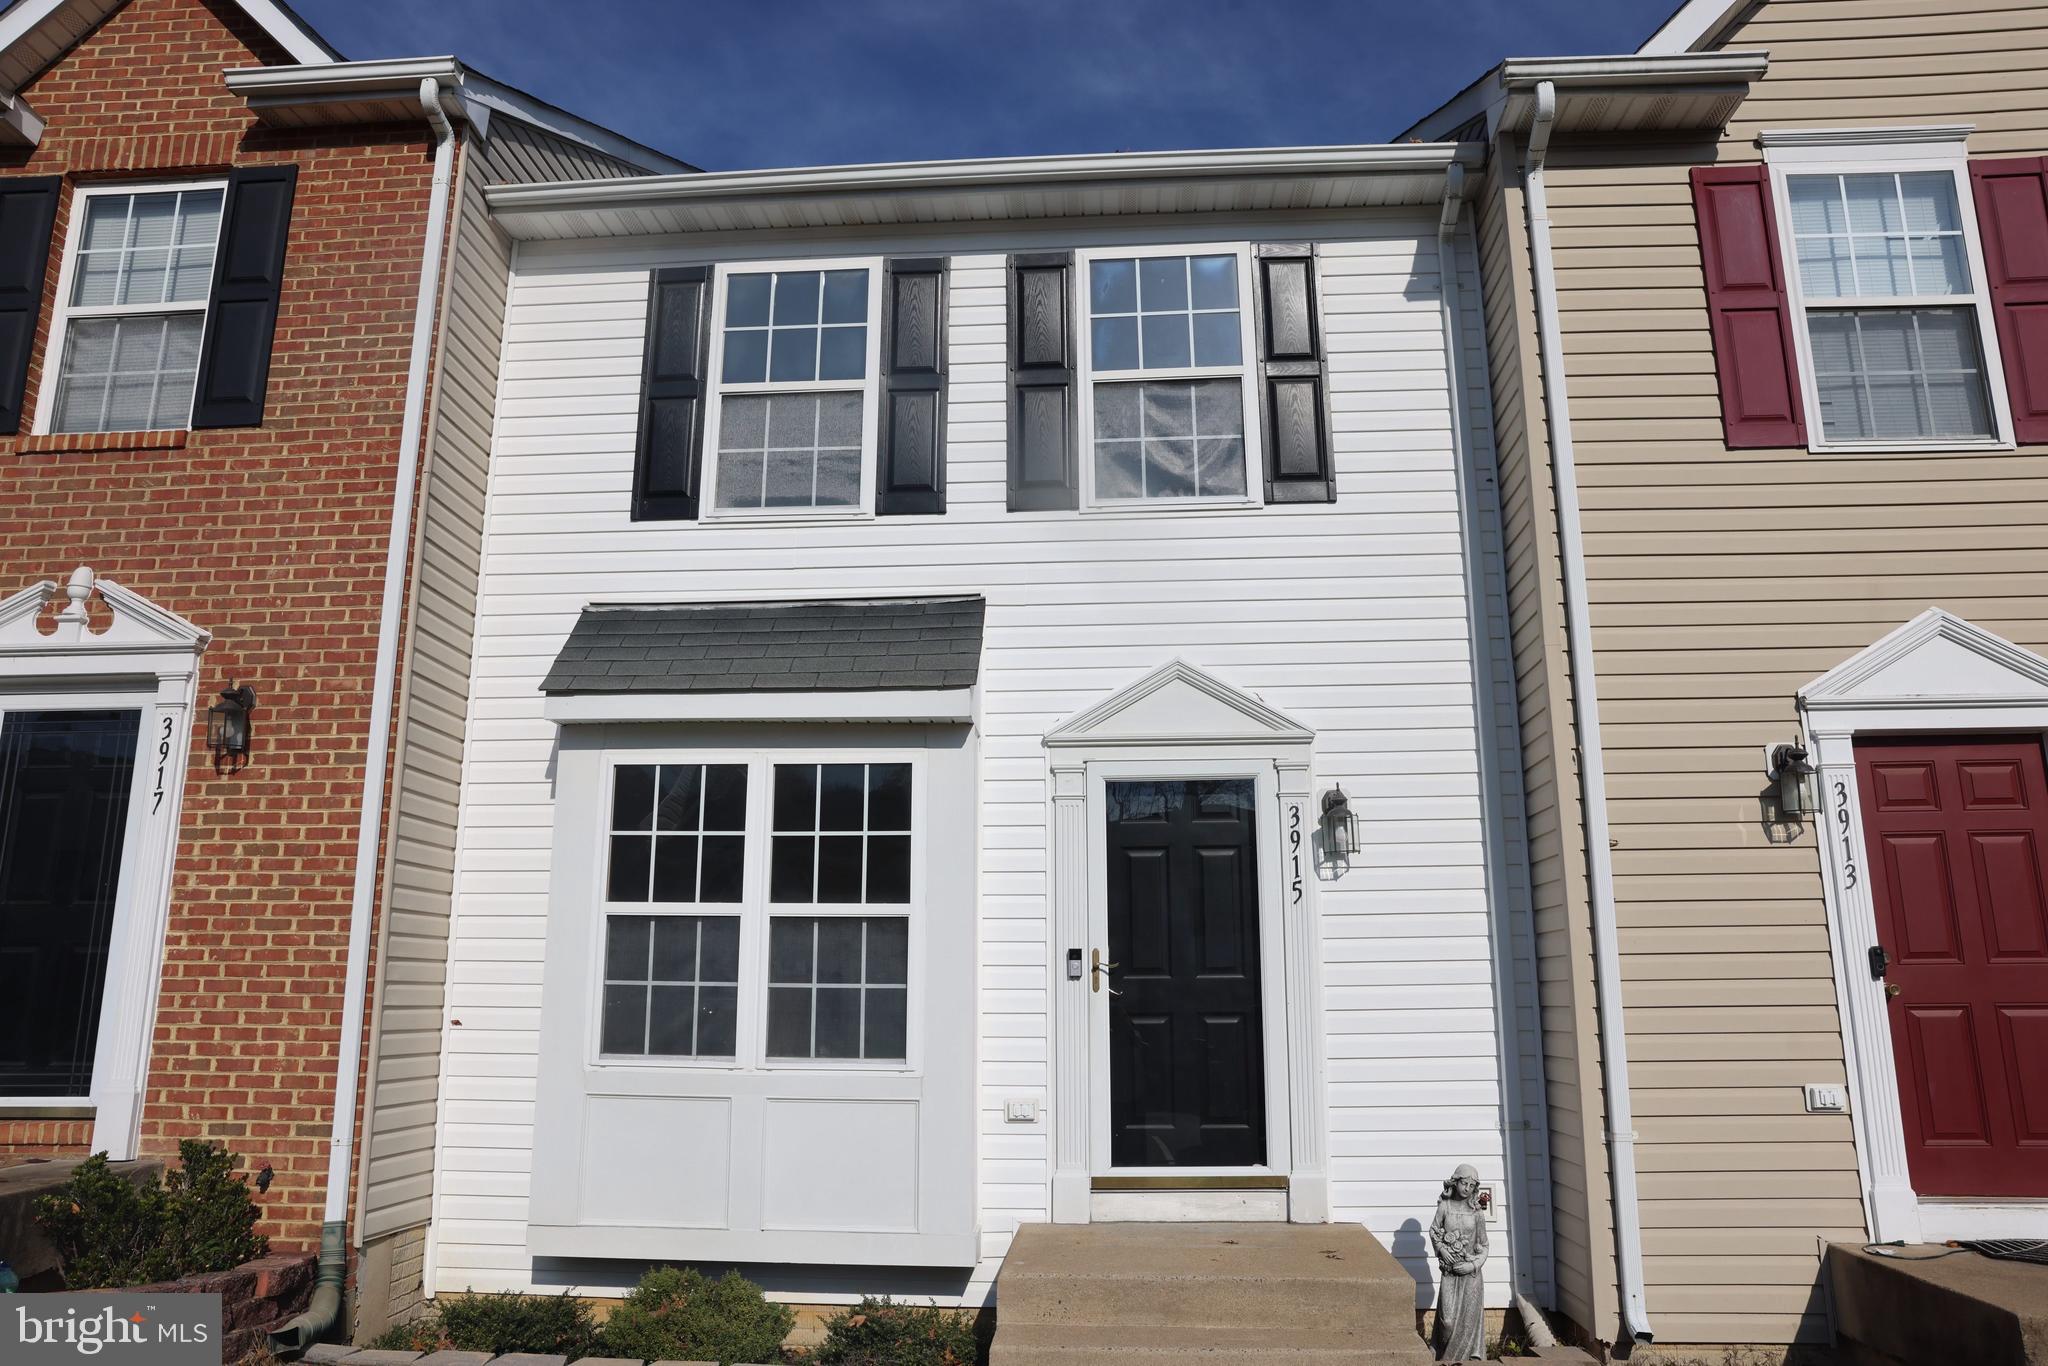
<point>758,912</point>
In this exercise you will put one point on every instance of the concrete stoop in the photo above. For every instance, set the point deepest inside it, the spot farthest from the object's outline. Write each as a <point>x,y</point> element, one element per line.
<point>1320,1294</point>
<point>1931,1305</point>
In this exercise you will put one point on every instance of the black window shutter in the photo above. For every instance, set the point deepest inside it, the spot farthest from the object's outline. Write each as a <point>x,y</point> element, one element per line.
<point>668,468</point>
<point>1043,462</point>
<point>241,317</point>
<point>28,208</point>
<point>1292,378</point>
<point>913,473</point>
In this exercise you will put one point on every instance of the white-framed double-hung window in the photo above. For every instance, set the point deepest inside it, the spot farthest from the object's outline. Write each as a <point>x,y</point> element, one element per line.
<point>1892,312</point>
<point>795,352</point>
<point>131,307</point>
<point>1167,395</point>
<point>758,911</point>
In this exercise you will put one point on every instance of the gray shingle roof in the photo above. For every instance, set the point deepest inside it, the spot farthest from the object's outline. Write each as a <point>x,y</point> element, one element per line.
<point>830,646</point>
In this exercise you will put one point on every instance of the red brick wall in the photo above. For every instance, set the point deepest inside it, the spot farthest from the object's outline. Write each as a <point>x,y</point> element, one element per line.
<point>272,538</point>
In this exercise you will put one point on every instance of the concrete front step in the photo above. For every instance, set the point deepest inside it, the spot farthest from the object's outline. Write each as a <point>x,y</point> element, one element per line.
<point>1039,1345</point>
<point>1251,1292</point>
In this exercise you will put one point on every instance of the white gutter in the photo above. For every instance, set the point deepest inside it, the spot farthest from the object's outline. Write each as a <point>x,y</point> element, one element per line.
<point>1621,1137</point>
<point>1711,68</point>
<point>993,173</point>
<point>1486,723</point>
<point>377,761</point>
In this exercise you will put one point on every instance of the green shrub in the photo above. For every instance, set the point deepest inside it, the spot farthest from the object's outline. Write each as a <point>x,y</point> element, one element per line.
<point>675,1314</point>
<point>510,1322</point>
<point>111,1231</point>
<point>422,1334</point>
<point>884,1333</point>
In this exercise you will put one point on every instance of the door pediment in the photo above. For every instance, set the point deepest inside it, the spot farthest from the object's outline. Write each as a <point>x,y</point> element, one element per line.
<point>1936,659</point>
<point>1178,704</point>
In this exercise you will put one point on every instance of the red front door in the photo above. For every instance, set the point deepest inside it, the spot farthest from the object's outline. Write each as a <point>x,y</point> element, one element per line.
<point>1957,832</point>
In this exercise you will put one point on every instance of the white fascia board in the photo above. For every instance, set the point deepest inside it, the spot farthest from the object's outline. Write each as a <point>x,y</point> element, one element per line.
<point>20,126</point>
<point>283,28</point>
<point>954,705</point>
<point>1695,25</point>
<point>481,90</point>
<point>989,174</point>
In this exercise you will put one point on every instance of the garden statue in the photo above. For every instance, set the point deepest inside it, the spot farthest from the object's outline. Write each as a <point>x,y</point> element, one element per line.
<point>1458,1233</point>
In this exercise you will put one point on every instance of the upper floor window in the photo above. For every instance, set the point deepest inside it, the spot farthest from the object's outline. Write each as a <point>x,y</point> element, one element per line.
<point>1167,389</point>
<point>132,308</point>
<point>1891,311</point>
<point>795,416</point>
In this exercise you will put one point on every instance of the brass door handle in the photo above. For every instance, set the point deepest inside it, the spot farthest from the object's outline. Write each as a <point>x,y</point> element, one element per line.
<point>1892,990</point>
<point>1097,970</point>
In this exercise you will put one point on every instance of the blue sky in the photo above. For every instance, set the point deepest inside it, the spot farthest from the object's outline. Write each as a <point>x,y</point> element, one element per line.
<point>729,84</point>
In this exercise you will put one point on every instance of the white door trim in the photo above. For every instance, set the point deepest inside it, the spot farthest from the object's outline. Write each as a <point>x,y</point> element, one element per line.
<point>1938,674</point>
<point>147,658</point>
<point>1179,722</point>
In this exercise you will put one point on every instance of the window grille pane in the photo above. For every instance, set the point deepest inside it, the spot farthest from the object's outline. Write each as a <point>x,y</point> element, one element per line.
<point>656,852</point>
<point>842,834</point>
<point>793,327</point>
<point>790,450</point>
<point>1878,235</point>
<point>838,987</point>
<point>671,986</point>
<point>1169,439</point>
<point>1164,313</point>
<point>147,249</point>
<point>1899,374</point>
<point>128,374</point>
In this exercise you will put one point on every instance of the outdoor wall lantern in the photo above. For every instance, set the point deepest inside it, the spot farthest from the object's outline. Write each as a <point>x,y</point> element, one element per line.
<point>227,725</point>
<point>1790,767</point>
<point>1340,827</point>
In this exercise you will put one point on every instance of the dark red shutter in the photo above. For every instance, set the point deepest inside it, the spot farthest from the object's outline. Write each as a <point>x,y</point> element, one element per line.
<point>2012,216</point>
<point>1754,354</point>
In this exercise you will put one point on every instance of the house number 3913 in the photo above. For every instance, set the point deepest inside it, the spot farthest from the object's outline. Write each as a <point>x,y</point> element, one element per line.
<point>163,759</point>
<point>1841,795</point>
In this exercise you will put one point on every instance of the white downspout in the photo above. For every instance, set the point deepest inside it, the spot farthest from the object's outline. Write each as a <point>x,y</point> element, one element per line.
<point>1485,724</point>
<point>291,1339</point>
<point>377,762</point>
<point>1621,1136</point>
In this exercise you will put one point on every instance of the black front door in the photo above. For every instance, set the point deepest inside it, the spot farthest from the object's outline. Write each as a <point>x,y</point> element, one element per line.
<point>64,781</point>
<point>1186,1066</point>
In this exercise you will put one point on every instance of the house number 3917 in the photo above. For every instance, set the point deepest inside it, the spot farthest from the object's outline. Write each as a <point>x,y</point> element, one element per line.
<point>163,759</point>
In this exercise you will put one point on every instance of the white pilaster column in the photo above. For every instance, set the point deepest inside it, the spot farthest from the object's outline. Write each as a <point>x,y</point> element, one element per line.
<point>1070,1091</point>
<point>1880,1127</point>
<point>1308,1182</point>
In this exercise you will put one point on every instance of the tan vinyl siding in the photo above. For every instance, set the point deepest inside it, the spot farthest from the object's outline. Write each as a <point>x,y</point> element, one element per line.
<point>396,1181</point>
<point>1578,1173</point>
<point>1723,580</point>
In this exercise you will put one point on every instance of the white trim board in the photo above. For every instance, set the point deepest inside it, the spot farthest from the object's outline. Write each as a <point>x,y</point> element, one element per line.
<point>1936,674</point>
<point>35,33</point>
<point>147,659</point>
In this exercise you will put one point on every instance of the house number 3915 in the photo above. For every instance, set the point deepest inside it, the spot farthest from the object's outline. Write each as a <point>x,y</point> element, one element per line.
<point>163,759</point>
<point>1294,853</point>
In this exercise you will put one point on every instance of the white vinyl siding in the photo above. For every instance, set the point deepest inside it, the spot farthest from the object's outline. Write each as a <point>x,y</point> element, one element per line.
<point>1349,616</point>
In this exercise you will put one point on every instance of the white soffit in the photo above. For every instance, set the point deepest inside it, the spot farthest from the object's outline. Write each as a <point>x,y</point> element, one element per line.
<point>1284,178</point>
<point>35,33</point>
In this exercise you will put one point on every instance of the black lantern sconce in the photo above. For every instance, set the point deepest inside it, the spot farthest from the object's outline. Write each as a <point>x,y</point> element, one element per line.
<point>1790,768</point>
<point>227,725</point>
<point>1340,827</point>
